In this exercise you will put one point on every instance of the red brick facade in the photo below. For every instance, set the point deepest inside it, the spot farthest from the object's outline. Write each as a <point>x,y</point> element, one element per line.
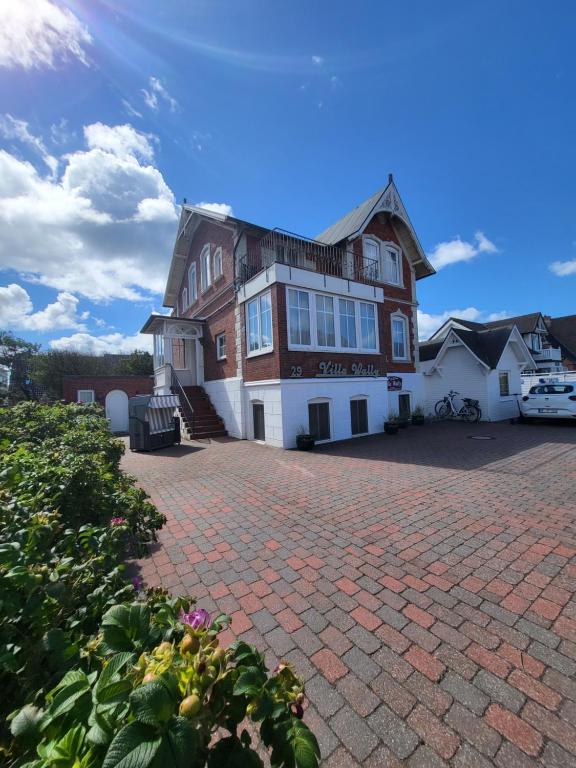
<point>132,385</point>
<point>217,305</point>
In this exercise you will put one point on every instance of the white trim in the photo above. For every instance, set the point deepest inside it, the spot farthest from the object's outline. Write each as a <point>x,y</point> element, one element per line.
<point>85,402</point>
<point>399,315</point>
<point>337,348</point>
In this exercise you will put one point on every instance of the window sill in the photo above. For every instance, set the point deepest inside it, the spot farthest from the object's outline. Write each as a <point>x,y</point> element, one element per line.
<point>333,350</point>
<point>401,360</point>
<point>221,359</point>
<point>259,352</point>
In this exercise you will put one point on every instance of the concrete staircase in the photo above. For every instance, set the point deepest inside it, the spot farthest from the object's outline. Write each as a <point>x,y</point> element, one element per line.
<point>202,421</point>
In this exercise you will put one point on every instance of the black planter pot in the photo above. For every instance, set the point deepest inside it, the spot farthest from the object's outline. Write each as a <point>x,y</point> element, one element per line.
<point>403,424</point>
<point>305,442</point>
<point>391,429</point>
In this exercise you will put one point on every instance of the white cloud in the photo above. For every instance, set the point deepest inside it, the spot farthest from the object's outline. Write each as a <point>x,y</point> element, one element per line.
<point>99,345</point>
<point>39,33</point>
<point>60,133</point>
<point>335,83</point>
<point>563,268</point>
<point>121,140</point>
<point>317,60</point>
<point>104,228</point>
<point>130,110</point>
<point>16,311</point>
<point>158,91</point>
<point>223,208</point>
<point>429,323</point>
<point>455,250</point>
<point>11,128</point>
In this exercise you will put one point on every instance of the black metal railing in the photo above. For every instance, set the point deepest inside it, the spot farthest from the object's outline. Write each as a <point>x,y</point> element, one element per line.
<point>280,247</point>
<point>177,388</point>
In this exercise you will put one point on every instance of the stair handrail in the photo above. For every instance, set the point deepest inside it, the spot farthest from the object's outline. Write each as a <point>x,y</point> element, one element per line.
<point>174,380</point>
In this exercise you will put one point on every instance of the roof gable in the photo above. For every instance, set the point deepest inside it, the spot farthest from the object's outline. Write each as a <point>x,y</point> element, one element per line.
<point>563,330</point>
<point>486,345</point>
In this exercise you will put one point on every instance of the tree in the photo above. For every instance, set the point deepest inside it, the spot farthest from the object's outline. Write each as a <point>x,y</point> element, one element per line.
<point>137,363</point>
<point>18,355</point>
<point>50,368</point>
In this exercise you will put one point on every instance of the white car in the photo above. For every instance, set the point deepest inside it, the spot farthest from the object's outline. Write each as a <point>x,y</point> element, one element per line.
<point>549,401</point>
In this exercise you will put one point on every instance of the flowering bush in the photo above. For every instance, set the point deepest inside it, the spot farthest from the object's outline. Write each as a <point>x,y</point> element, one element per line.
<point>163,692</point>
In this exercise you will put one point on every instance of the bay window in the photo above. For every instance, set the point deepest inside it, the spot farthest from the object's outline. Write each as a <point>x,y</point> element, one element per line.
<point>317,321</point>
<point>399,338</point>
<point>299,317</point>
<point>259,324</point>
<point>347,324</point>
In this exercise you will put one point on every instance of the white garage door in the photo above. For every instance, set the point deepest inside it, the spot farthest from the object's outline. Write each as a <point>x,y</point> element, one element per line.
<point>117,410</point>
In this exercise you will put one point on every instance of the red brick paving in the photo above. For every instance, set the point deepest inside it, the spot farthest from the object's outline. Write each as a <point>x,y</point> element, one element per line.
<point>426,580</point>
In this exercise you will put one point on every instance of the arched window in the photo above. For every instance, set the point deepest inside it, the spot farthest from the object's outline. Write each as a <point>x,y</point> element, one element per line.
<point>400,345</point>
<point>371,259</point>
<point>205,272</point>
<point>192,290</point>
<point>217,263</point>
<point>392,264</point>
<point>184,305</point>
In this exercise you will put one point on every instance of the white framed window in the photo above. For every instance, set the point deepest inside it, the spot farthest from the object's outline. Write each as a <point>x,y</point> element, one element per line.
<point>318,321</point>
<point>205,272</point>
<point>221,346</point>
<point>325,328</point>
<point>399,337</point>
<point>259,324</point>
<point>217,263</point>
<point>184,300</point>
<point>371,258</point>
<point>347,323</point>
<point>85,396</point>
<point>504,383</point>
<point>319,419</point>
<point>192,288</point>
<point>367,326</point>
<point>158,350</point>
<point>299,317</point>
<point>392,264</point>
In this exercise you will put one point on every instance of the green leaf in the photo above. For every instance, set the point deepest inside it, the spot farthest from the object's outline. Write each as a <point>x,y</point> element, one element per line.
<point>231,753</point>
<point>135,746</point>
<point>250,682</point>
<point>152,703</point>
<point>26,725</point>
<point>74,686</point>
<point>179,746</point>
<point>294,744</point>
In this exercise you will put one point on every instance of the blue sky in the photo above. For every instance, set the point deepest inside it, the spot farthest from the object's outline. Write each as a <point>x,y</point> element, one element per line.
<point>290,114</point>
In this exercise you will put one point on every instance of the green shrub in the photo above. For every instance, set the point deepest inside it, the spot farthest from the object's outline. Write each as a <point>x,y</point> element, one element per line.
<point>160,689</point>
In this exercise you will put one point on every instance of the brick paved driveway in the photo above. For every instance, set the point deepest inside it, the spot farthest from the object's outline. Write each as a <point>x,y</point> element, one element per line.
<point>423,585</point>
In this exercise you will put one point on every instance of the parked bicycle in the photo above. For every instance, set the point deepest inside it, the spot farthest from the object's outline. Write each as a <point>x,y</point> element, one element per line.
<point>470,410</point>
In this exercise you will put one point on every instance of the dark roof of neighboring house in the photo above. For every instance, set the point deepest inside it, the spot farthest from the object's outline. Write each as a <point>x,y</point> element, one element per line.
<point>524,323</point>
<point>563,329</point>
<point>487,345</point>
<point>352,221</point>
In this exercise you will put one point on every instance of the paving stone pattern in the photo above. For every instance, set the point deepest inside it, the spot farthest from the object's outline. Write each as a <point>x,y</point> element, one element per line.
<point>422,584</point>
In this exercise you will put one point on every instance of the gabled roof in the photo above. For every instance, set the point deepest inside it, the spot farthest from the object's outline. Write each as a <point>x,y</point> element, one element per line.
<point>524,323</point>
<point>563,330</point>
<point>387,199</point>
<point>486,344</point>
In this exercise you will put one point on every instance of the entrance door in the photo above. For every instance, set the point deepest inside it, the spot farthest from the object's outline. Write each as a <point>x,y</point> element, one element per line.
<point>404,406</point>
<point>258,416</point>
<point>117,410</point>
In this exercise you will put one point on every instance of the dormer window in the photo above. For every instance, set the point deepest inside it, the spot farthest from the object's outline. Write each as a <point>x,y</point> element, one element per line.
<point>391,257</point>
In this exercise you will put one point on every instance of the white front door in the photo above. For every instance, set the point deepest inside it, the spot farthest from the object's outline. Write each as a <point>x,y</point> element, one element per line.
<point>117,410</point>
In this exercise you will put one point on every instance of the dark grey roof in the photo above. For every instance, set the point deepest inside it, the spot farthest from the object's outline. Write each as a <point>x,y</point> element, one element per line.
<point>563,332</point>
<point>524,323</point>
<point>487,345</point>
<point>352,221</point>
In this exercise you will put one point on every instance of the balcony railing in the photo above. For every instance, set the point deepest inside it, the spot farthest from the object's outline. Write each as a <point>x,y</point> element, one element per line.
<point>548,353</point>
<point>280,247</point>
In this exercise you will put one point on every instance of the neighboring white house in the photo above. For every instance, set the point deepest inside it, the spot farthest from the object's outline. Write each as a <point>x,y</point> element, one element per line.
<point>4,378</point>
<point>485,365</point>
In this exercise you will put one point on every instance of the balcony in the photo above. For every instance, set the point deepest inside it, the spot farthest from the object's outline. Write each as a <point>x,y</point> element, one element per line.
<point>280,247</point>
<point>548,354</point>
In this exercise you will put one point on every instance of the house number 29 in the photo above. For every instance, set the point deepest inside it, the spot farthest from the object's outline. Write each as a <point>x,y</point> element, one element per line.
<point>296,371</point>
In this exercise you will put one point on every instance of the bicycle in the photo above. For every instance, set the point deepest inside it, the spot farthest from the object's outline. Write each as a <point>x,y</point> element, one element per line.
<point>470,411</point>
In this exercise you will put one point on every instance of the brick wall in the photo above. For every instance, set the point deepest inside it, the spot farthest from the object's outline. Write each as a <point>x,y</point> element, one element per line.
<point>132,385</point>
<point>222,321</point>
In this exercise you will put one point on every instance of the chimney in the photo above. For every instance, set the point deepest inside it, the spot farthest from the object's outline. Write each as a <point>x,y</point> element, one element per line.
<point>390,178</point>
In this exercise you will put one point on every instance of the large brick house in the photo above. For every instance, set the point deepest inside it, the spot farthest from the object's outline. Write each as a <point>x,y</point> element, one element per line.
<point>271,333</point>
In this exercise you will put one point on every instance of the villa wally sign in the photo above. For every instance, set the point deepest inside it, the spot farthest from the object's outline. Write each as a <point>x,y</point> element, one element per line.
<point>337,369</point>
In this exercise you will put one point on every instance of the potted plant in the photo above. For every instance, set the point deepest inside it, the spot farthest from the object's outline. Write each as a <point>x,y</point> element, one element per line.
<point>418,415</point>
<point>391,426</point>
<point>304,440</point>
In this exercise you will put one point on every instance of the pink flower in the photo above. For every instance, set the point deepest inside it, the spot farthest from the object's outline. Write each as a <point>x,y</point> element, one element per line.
<point>198,619</point>
<point>118,521</point>
<point>137,583</point>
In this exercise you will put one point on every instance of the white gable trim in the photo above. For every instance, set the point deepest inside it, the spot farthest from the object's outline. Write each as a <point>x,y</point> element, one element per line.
<point>453,340</point>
